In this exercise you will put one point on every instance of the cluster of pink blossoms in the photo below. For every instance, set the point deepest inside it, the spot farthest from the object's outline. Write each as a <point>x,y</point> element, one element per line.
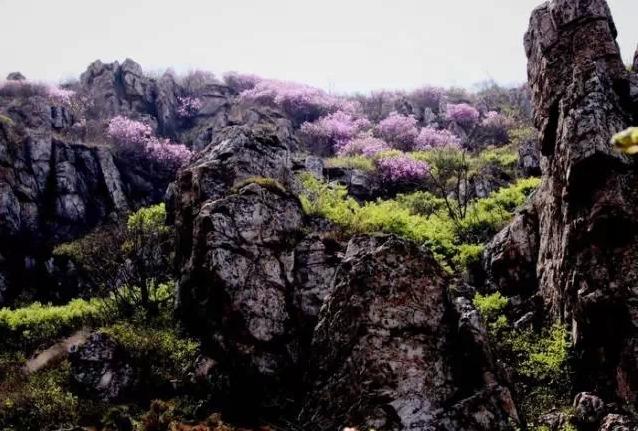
<point>365,145</point>
<point>188,106</point>
<point>302,102</point>
<point>431,138</point>
<point>135,136</point>
<point>335,130</point>
<point>402,168</point>
<point>496,120</point>
<point>463,114</point>
<point>398,130</point>
<point>59,96</point>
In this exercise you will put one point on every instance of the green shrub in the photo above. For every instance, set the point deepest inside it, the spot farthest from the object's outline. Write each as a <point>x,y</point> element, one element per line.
<point>505,157</point>
<point>421,203</point>
<point>538,360</point>
<point>351,162</point>
<point>38,401</point>
<point>136,256</point>
<point>162,348</point>
<point>490,306</point>
<point>453,242</point>
<point>28,327</point>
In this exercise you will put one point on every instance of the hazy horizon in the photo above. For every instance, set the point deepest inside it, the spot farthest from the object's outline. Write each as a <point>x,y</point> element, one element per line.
<point>343,47</point>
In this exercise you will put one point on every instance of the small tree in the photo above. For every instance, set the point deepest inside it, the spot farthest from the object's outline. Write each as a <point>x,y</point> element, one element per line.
<point>127,260</point>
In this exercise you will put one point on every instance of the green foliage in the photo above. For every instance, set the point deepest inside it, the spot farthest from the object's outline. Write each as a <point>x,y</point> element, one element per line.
<point>505,157</point>
<point>468,254</point>
<point>545,355</point>
<point>351,162</point>
<point>148,220</point>
<point>35,402</point>
<point>421,203</point>
<point>452,241</point>
<point>131,257</point>
<point>539,360</point>
<point>159,346</point>
<point>28,327</point>
<point>490,306</point>
<point>267,183</point>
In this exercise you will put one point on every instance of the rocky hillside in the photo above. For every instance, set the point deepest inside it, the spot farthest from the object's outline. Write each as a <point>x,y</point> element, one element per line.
<point>194,253</point>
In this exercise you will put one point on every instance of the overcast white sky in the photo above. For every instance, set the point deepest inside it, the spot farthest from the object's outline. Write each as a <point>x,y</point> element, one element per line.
<point>340,45</point>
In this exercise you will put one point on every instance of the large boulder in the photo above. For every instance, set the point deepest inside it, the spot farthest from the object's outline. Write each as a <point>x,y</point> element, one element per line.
<point>102,370</point>
<point>392,352</point>
<point>586,209</point>
<point>254,270</point>
<point>116,89</point>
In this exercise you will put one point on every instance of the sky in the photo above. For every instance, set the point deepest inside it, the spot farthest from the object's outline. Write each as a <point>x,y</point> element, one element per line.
<point>339,45</point>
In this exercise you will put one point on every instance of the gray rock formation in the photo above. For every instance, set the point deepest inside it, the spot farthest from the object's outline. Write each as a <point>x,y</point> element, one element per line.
<point>529,162</point>
<point>579,231</point>
<point>616,422</point>
<point>116,89</point>
<point>589,409</point>
<point>101,370</point>
<point>15,76</point>
<point>385,354</point>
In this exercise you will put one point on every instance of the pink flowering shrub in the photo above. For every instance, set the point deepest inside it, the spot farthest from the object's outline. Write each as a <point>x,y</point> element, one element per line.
<point>188,106</point>
<point>167,153</point>
<point>365,145</point>
<point>128,133</point>
<point>241,81</point>
<point>402,168</point>
<point>300,102</point>
<point>334,130</point>
<point>430,138</point>
<point>398,130</point>
<point>135,136</point>
<point>463,114</point>
<point>60,96</point>
<point>496,120</point>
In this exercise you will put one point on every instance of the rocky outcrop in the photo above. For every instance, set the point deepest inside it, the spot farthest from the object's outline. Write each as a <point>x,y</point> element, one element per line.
<point>15,76</point>
<point>101,370</point>
<point>254,272</point>
<point>116,89</point>
<point>391,352</point>
<point>529,162</point>
<point>580,230</point>
<point>53,190</point>
<point>255,277</point>
<point>511,257</point>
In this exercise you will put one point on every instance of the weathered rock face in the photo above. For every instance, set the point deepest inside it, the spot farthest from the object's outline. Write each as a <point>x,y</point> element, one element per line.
<point>387,351</point>
<point>116,89</point>
<point>53,191</point>
<point>585,210</point>
<point>101,370</point>
<point>529,157</point>
<point>253,279</point>
<point>616,422</point>
<point>511,256</point>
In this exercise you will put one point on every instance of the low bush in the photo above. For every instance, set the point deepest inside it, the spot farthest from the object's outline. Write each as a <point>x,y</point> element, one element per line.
<point>453,242</point>
<point>38,401</point>
<point>163,351</point>
<point>539,360</point>
<point>351,162</point>
<point>29,327</point>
